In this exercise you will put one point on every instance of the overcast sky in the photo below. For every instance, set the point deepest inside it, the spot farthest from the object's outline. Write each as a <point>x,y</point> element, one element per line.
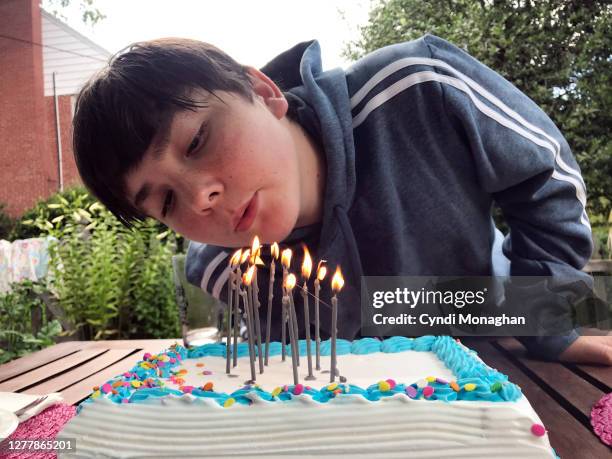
<point>252,32</point>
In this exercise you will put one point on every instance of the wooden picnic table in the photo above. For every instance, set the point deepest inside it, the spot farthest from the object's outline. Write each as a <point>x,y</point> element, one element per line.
<point>561,394</point>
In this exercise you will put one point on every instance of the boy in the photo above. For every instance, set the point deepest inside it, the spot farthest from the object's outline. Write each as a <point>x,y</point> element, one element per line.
<point>388,168</point>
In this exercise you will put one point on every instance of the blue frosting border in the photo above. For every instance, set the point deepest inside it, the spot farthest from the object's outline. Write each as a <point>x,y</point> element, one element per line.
<point>475,381</point>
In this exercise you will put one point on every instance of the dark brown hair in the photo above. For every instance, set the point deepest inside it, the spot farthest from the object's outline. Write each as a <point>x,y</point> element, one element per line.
<point>121,109</point>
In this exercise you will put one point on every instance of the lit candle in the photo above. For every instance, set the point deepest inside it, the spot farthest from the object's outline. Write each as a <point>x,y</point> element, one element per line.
<point>285,262</point>
<point>274,255</point>
<point>248,307</point>
<point>238,278</point>
<point>255,260</point>
<point>287,298</point>
<point>230,306</point>
<point>337,284</point>
<point>306,270</point>
<point>321,272</point>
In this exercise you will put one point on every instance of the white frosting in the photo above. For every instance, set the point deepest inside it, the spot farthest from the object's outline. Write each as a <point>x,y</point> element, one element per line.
<point>349,426</point>
<point>361,370</point>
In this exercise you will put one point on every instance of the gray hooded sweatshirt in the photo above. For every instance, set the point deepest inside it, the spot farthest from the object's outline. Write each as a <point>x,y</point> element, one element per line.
<point>420,140</point>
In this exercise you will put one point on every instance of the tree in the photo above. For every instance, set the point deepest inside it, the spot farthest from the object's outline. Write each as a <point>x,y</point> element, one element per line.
<point>89,13</point>
<point>558,52</point>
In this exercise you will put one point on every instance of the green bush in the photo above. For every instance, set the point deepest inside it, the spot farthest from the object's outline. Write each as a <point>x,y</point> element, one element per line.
<point>6,223</point>
<point>48,210</point>
<point>16,310</point>
<point>111,281</point>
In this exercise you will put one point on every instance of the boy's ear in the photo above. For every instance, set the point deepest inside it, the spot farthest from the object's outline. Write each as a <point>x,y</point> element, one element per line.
<point>269,92</point>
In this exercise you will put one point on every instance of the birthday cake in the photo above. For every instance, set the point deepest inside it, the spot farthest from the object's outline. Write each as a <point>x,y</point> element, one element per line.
<point>426,397</point>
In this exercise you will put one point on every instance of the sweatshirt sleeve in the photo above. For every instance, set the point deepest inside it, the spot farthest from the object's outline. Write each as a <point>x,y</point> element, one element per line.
<point>526,165</point>
<point>207,267</point>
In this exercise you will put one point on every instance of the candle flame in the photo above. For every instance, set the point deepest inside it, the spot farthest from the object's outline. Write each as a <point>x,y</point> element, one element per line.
<point>245,255</point>
<point>286,258</point>
<point>290,282</point>
<point>255,244</point>
<point>235,260</point>
<point>258,261</point>
<point>255,251</point>
<point>306,264</point>
<point>337,280</point>
<point>247,277</point>
<point>321,270</point>
<point>274,250</point>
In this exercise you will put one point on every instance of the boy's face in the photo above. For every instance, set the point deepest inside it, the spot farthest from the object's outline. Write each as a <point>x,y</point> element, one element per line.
<point>226,172</point>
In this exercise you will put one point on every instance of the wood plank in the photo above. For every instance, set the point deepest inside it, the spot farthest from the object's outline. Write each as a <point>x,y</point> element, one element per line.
<point>81,390</point>
<point>598,266</point>
<point>46,371</point>
<point>37,359</point>
<point>576,390</point>
<point>156,344</point>
<point>567,435</point>
<point>81,372</point>
<point>601,374</point>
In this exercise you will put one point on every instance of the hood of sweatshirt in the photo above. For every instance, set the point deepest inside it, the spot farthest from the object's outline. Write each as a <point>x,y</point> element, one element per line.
<point>320,101</point>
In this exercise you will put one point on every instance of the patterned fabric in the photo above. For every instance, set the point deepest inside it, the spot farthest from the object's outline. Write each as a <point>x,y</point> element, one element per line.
<point>23,259</point>
<point>601,419</point>
<point>44,426</point>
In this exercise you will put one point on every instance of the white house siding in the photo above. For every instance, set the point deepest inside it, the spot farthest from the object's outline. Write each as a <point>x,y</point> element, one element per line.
<point>73,57</point>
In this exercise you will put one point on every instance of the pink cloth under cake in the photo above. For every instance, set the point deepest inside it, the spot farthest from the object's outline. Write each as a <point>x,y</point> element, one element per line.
<point>601,419</point>
<point>44,426</point>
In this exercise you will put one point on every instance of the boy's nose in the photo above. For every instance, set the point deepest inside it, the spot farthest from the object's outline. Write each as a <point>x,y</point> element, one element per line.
<point>206,197</point>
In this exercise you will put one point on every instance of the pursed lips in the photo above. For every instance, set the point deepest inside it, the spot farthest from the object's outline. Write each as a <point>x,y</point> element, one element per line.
<point>240,214</point>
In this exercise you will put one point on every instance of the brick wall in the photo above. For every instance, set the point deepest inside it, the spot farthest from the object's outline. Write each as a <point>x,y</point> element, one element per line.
<point>28,171</point>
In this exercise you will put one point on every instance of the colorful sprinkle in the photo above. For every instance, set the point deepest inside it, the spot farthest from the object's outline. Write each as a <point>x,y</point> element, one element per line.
<point>199,364</point>
<point>496,387</point>
<point>106,388</point>
<point>338,391</point>
<point>421,383</point>
<point>332,386</point>
<point>411,391</point>
<point>96,394</point>
<point>229,402</point>
<point>454,386</point>
<point>430,379</point>
<point>207,372</point>
<point>298,389</point>
<point>117,383</point>
<point>384,386</point>
<point>538,430</point>
<point>441,381</point>
<point>392,383</point>
<point>428,391</point>
<point>277,391</point>
<point>208,386</point>
<point>146,356</point>
<point>186,389</point>
<point>469,387</point>
<point>125,400</point>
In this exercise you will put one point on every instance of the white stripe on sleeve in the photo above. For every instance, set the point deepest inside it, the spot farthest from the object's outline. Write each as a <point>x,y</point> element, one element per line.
<point>210,269</point>
<point>426,76</point>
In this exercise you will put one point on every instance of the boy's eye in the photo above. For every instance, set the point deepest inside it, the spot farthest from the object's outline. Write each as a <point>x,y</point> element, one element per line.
<point>195,143</point>
<point>167,203</point>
